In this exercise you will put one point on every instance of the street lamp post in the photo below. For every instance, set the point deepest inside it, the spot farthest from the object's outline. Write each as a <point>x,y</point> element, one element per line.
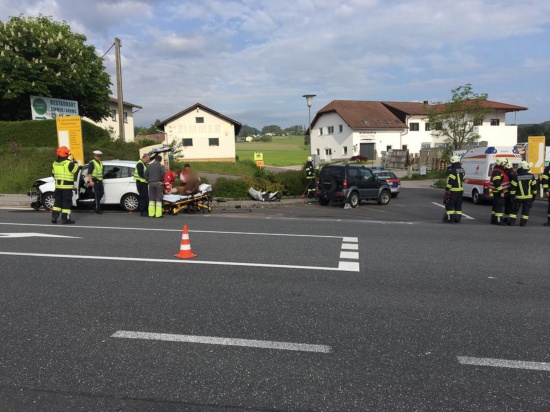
<point>309,101</point>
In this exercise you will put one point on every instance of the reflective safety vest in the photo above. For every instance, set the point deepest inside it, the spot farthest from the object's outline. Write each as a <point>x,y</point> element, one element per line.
<point>97,173</point>
<point>63,174</point>
<point>499,181</point>
<point>545,178</point>
<point>524,186</point>
<point>136,172</point>
<point>310,171</point>
<point>455,178</point>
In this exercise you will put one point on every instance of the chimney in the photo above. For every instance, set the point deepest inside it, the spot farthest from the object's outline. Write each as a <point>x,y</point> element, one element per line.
<point>426,102</point>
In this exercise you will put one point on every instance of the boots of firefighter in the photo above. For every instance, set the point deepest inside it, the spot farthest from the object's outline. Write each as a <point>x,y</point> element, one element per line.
<point>448,218</point>
<point>548,222</point>
<point>499,221</point>
<point>511,221</point>
<point>493,219</point>
<point>458,218</point>
<point>66,219</point>
<point>158,210</point>
<point>523,222</point>
<point>151,209</point>
<point>55,216</point>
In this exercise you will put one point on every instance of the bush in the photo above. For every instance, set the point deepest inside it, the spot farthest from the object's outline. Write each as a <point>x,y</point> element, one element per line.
<point>358,159</point>
<point>231,188</point>
<point>294,182</point>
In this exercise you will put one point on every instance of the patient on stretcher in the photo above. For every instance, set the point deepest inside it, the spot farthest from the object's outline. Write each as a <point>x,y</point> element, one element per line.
<point>190,181</point>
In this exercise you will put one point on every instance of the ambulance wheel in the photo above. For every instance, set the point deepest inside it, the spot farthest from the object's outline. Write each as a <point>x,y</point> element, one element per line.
<point>476,199</point>
<point>48,200</point>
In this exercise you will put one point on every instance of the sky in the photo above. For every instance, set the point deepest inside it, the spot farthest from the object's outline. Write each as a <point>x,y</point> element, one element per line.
<point>253,60</point>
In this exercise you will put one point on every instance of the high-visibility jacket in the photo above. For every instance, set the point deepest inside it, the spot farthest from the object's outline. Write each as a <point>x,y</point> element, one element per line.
<point>524,186</point>
<point>97,173</point>
<point>455,177</point>
<point>546,179</point>
<point>310,171</point>
<point>139,172</point>
<point>499,180</point>
<point>63,173</point>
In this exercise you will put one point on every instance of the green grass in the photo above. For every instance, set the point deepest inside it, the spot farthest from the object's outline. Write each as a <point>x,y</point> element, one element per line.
<point>282,151</point>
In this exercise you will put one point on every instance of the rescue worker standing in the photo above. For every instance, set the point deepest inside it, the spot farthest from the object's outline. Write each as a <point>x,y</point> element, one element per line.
<point>310,176</point>
<point>95,179</point>
<point>524,190</point>
<point>499,184</point>
<point>455,177</point>
<point>63,171</point>
<point>141,184</point>
<point>155,176</point>
<point>546,188</point>
<point>510,206</point>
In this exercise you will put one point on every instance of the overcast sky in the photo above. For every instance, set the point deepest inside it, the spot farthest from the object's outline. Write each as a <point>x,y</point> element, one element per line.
<point>252,60</point>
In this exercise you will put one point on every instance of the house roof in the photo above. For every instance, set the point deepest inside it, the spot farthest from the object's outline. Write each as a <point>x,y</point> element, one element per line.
<point>411,108</point>
<point>115,100</point>
<point>362,114</point>
<point>236,124</point>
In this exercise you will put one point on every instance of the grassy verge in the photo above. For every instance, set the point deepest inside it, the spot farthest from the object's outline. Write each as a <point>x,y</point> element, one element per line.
<point>282,151</point>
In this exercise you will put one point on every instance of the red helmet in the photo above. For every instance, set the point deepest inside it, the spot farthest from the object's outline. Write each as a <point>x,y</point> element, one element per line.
<point>63,151</point>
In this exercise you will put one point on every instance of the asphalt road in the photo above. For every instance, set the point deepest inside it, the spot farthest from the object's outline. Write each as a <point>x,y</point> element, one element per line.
<point>298,308</point>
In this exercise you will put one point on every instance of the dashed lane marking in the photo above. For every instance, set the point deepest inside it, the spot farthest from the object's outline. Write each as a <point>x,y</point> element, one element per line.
<point>209,340</point>
<point>504,363</point>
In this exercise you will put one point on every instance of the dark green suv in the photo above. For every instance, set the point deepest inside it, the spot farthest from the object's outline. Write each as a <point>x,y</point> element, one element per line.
<point>348,183</point>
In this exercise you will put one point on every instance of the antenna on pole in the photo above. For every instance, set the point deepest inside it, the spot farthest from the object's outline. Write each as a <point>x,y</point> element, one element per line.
<point>119,91</point>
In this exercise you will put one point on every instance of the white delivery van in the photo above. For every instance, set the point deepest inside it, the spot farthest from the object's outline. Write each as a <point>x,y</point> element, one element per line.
<point>478,164</point>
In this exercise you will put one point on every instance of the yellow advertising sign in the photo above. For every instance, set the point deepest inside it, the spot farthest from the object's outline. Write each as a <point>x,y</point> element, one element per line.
<point>536,152</point>
<point>69,133</point>
<point>258,156</point>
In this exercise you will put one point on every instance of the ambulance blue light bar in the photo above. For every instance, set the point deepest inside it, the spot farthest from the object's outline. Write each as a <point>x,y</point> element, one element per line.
<point>490,150</point>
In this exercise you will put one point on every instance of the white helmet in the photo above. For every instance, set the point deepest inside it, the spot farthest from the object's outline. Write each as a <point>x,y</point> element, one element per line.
<point>455,159</point>
<point>309,158</point>
<point>524,165</point>
<point>500,162</point>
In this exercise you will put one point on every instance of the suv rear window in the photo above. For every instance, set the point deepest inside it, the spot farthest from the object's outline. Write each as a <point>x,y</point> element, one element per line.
<point>333,171</point>
<point>386,175</point>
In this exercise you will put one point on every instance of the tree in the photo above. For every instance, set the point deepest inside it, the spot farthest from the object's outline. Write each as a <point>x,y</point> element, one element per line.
<point>295,130</point>
<point>272,129</point>
<point>455,120</point>
<point>247,130</point>
<point>41,57</point>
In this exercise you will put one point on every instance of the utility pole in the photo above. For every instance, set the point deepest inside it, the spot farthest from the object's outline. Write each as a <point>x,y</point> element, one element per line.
<point>119,91</point>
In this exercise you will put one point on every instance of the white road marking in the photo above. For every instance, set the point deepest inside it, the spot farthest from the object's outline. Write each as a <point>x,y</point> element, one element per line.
<point>209,340</point>
<point>350,239</point>
<point>351,267</point>
<point>349,255</point>
<point>20,235</point>
<point>350,246</point>
<point>504,363</point>
<point>463,214</point>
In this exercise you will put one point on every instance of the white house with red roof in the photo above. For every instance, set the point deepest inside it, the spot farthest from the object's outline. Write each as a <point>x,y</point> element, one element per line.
<point>346,128</point>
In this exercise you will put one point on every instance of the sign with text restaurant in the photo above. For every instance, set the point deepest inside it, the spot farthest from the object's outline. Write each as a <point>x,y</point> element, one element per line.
<point>43,108</point>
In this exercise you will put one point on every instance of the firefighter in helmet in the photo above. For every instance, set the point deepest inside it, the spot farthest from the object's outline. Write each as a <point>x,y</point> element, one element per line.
<point>510,204</point>
<point>499,185</point>
<point>63,171</point>
<point>310,176</point>
<point>455,189</point>
<point>523,190</point>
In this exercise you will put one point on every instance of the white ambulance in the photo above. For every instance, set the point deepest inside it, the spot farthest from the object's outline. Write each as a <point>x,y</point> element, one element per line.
<point>478,164</point>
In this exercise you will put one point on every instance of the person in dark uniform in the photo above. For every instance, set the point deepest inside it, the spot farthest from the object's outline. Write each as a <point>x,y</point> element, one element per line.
<point>95,179</point>
<point>155,176</point>
<point>546,188</point>
<point>63,171</point>
<point>510,206</point>
<point>310,176</point>
<point>455,177</point>
<point>523,190</point>
<point>142,185</point>
<point>499,185</point>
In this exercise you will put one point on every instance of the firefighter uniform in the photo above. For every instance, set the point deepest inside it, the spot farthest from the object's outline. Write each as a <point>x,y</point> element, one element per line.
<point>455,178</point>
<point>499,186</point>
<point>510,206</point>
<point>524,190</point>
<point>142,185</point>
<point>546,188</point>
<point>63,171</point>
<point>95,177</point>
<point>310,176</point>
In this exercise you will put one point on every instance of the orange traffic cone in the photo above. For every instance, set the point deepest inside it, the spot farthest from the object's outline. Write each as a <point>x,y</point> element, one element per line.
<point>185,248</point>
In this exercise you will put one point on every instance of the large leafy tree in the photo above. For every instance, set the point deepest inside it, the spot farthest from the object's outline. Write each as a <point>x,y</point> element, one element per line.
<point>41,57</point>
<point>455,121</point>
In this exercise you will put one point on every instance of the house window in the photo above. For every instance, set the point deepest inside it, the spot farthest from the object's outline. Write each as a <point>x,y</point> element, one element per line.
<point>345,150</point>
<point>495,122</point>
<point>125,117</point>
<point>328,151</point>
<point>199,119</point>
<point>427,127</point>
<point>478,122</point>
<point>415,127</point>
<point>439,126</point>
<point>340,128</point>
<point>331,130</point>
<point>213,141</point>
<point>318,152</point>
<point>404,147</point>
<point>187,142</point>
<point>113,115</point>
<point>388,148</point>
<point>320,131</point>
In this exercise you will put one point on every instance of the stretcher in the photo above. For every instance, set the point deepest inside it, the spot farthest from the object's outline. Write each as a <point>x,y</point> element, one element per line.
<point>200,201</point>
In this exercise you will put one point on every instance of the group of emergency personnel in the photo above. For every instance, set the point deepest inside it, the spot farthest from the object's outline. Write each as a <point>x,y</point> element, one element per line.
<point>513,191</point>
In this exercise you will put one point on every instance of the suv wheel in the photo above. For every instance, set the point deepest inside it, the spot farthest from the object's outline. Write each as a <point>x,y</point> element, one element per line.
<point>354,199</point>
<point>323,202</point>
<point>384,197</point>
